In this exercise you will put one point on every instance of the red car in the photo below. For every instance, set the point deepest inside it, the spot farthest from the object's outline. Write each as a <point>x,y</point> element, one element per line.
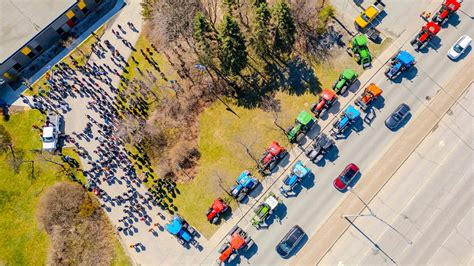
<point>345,178</point>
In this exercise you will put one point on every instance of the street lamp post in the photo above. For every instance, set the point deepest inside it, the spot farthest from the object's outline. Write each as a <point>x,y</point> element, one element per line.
<point>372,214</point>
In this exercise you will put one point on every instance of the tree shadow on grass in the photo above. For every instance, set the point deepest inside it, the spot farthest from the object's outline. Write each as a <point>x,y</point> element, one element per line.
<point>301,78</point>
<point>296,77</point>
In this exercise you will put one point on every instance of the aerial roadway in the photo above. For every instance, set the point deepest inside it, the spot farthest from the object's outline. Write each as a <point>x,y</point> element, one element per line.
<point>316,197</point>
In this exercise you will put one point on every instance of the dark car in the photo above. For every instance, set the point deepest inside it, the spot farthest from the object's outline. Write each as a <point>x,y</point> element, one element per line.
<point>290,241</point>
<point>345,178</point>
<point>397,117</point>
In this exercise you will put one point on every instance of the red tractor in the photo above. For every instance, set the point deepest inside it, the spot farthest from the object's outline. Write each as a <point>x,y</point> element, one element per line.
<point>237,240</point>
<point>271,157</point>
<point>448,8</point>
<point>216,210</point>
<point>326,99</point>
<point>426,33</point>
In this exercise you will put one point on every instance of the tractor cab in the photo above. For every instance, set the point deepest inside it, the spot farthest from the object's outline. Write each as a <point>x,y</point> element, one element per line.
<point>370,94</point>
<point>326,99</point>
<point>181,230</point>
<point>447,9</point>
<point>303,124</point>
<point>215,211</point>
<point>399,63</point>
<point>245,183</point>
<point>359,49</point>
<point>346,79</point>
<point>270,158</point>
<point>298,173</point>
<point>321,145</point>
<point>426,33</point>
<point>237,239</point>
<point>349,116</point>
<point>264,210</point>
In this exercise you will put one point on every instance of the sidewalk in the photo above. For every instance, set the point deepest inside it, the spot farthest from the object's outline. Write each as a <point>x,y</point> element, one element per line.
<point>376,178</point>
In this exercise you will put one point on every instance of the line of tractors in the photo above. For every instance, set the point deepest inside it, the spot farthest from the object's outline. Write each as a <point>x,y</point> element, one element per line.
<point>237,239</point>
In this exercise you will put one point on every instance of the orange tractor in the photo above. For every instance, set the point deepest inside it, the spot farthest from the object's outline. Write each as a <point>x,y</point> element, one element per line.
<point>237,241</point>
<point>370,94</point>
<point>426,33</point>
<point>448,8</point>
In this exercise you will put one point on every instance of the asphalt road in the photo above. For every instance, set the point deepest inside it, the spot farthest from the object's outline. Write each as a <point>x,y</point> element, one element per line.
<point>318,197</point>
<point>429,201</point>
<point>393,21</point>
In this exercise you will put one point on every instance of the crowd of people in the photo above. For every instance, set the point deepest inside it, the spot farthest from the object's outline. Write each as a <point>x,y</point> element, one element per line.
<point>110,172</point>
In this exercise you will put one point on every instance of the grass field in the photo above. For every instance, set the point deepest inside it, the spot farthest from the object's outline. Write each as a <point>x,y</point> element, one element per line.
<point>21,240</point>
<point>223,158</point>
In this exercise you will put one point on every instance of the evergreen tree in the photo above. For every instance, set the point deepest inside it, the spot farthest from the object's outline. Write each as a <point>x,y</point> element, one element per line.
<point>203,32</point>
<point>284,28</point>
<point>256,3</point>
<point>261,29</point>
<point>232,50</point>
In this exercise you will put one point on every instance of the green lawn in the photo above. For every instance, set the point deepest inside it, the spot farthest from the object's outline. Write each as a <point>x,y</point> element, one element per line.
<point>120,258</point>
<point>144,66</point>
<point>222,156</point>
<point>21,240</point>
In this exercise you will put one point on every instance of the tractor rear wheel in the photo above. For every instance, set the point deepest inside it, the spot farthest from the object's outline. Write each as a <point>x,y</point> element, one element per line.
<point>299,138</point>
<point>241,197</point>
<point>214,219</point>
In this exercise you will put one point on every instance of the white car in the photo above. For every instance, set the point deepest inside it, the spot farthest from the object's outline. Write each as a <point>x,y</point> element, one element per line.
<point>51,132</point>
<point>459,47</point>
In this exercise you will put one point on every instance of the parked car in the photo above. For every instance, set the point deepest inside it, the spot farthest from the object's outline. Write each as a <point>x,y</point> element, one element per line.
<point>290,241</point>
<point>51,131</point>
<point>345,178</point>
<point>397,117</point>
<point>459,47</point>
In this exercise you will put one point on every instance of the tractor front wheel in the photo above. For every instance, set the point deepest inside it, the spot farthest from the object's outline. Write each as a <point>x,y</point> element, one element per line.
<point>214,220</point>
<point>344,89</point>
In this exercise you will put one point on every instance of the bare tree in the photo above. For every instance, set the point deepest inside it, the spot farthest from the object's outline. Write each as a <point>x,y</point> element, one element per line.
<point>69,42</point>
<point>172,20</point>
<point>131,129</point>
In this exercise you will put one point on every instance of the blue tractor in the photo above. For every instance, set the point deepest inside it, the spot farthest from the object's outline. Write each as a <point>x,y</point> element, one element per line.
<point>245,184</point>
<point>399,63</point>
<point>349,116</point>
<point>182,231</point>
<point>298,173</point>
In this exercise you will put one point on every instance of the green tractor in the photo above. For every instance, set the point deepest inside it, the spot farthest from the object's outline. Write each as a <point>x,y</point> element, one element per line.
<point>360,51</point>
<point>264,210</point>
<point>345,81</point>
<point>303,124</point>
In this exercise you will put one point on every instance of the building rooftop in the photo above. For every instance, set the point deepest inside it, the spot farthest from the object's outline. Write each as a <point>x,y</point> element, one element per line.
<point>21,20</point>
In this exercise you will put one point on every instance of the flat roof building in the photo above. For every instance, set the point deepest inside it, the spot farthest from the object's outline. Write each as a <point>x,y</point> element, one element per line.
<point>21,20</point>
<point>28,28</point>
